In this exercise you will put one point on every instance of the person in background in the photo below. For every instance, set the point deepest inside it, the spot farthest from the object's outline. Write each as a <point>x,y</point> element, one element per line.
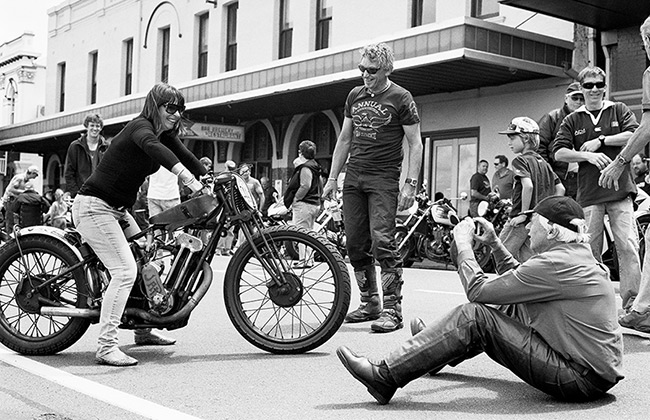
<point>303,194</point>
<point>163,191</point>
<point>640,170</point>
<point>84,154</point>
<point>549,125</point>
<point>270,194</point>
<point>380,117</point>
<point>30,207</point>
<point>257,192</point>
<point>57,214</point>
<point>100,208</point>
<point>224,246</point>
<point>207,163</point>
<point>551,320</point>
<point>479,186</point>
<point>503,178</point>
<point>593,136</point>
<point>534,180</point>
<point>613,176</point>
<point>16,187</point>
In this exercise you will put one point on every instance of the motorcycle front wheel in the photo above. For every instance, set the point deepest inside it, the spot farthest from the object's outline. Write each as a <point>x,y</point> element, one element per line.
<point>284,306</point>
<point>22,327</point>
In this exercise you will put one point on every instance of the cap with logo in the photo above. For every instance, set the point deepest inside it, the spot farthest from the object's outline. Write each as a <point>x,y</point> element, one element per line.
<point>521,125</point>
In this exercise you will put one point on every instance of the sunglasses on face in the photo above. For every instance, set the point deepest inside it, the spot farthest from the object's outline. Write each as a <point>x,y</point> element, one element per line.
<point>497,163</point>
<point>590,85</point>
<point>174,108</point>
<point>370,70</point>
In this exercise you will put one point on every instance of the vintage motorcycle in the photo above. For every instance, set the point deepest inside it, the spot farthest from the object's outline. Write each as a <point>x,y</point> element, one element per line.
<point>427,232</point>
<point>51,282</point>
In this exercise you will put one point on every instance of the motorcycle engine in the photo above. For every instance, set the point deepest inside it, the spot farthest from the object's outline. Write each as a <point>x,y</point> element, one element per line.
<point>438,244</point>
<point>157,296</point>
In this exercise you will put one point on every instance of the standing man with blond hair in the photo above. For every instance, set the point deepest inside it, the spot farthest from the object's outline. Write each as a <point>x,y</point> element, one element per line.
<point>84,154</point>
<point>378,116</point>
<point>638,317</point>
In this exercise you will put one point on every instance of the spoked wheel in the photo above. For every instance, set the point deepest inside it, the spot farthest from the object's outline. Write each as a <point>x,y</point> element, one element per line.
<point>22,328</point>
<point>405,251</point>
<point>294,306</point>
<point>642,226</point>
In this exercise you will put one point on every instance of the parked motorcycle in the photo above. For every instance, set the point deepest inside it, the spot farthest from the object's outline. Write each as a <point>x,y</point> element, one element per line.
<point>427,232</point>
<point>51,282</point>
<point>496,210</point>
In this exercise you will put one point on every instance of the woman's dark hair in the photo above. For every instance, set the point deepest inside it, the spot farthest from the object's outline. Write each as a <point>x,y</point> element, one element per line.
<point>161,94</point>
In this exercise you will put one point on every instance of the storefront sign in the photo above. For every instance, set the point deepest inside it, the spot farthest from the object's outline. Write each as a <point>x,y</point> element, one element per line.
<point>215,132</point>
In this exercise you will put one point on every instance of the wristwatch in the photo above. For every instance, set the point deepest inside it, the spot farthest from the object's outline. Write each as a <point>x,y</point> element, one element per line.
<point>412,181</point>
<point>621,160</point>
<point>602,140</point>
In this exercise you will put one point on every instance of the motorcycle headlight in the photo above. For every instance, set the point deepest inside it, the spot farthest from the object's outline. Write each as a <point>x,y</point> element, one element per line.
<point>242,190</point>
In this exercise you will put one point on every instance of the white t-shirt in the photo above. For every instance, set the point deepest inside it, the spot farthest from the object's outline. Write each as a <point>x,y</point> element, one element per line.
<point>163,185</point>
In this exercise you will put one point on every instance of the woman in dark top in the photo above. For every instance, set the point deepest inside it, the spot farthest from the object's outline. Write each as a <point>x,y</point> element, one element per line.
<point>100,208</point>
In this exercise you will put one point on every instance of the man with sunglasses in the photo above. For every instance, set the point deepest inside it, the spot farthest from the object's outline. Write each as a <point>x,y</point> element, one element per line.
<point>638,317</point>
<point>549,125</point>
<point>378,115</point>
<point>593,136</point>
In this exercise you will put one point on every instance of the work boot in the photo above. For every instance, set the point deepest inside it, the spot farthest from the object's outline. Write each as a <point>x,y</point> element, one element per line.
<point>391,317</point>
<point>370,306</point>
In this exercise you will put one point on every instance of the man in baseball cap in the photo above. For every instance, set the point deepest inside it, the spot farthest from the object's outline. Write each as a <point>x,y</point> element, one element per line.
<point>551,320</point>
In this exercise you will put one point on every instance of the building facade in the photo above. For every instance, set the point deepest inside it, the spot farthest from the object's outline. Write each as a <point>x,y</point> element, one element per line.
<point>22,98</point>
<point>279,71</point>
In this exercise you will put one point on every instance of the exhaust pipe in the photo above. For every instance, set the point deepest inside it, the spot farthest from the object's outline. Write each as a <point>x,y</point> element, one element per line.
<point>140,313</point>
<point>70,312</point>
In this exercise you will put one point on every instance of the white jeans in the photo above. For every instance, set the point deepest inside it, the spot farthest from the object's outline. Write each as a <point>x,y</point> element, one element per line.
<point>101,226</point>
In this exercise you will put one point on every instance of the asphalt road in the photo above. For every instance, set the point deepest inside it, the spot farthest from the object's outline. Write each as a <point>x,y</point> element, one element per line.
<point>213,373</point>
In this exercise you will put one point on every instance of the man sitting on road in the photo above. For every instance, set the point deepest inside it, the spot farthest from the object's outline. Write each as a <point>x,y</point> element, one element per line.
<point>556,328</point>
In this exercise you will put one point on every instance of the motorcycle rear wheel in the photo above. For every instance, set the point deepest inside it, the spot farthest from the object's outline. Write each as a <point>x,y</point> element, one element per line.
<point>303,313</point>
<point>22,328</point>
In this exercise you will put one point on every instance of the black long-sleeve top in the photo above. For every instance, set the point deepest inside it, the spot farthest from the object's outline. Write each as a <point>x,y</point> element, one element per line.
<point>135,153</point>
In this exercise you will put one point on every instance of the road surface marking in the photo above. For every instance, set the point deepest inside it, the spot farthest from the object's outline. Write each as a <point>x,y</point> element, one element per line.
<point>441,292</point>
<point>94,390</point>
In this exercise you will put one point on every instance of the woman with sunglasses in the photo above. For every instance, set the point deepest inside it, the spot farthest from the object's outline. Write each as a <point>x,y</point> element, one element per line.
<point>100,208</point>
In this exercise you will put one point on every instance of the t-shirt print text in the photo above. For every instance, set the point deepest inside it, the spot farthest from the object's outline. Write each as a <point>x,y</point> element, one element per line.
<point>368,117</point>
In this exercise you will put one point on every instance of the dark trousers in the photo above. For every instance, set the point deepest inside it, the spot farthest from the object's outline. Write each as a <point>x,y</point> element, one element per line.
<point>473,328</point>
<point>369,209</point>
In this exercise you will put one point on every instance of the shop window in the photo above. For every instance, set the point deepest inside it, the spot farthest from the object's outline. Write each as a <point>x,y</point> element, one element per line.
<point>257,151</point>
<point>319,129</point>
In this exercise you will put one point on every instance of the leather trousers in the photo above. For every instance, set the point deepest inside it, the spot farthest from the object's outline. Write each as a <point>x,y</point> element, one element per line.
<point>473,328</point>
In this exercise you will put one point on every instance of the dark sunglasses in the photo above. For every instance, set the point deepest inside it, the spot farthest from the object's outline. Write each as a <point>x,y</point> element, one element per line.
<point>174,108</point>
<point>370,70</point>
<point>590,85</point>
<point>576,97</point>
<point>497,163</point>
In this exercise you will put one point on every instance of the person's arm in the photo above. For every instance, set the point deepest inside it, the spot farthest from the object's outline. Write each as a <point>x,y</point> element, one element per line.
<point>641,137</point>
<point>260,194</point>
<point>619,139</point>
<point>526,199</point>
<point>414,141</point>
<point>340,156</point>
<point>70,171</point>
<point>559,188</point>
<point>13,186</point>
<point>305,184</point>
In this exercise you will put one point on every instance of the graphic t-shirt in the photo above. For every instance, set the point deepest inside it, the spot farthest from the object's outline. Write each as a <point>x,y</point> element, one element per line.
<point>377,127</point>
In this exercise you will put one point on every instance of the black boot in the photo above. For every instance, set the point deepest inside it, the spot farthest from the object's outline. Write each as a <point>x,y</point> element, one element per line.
<point>375,376</point>
<point>370,307</point>
<point>391,317</point>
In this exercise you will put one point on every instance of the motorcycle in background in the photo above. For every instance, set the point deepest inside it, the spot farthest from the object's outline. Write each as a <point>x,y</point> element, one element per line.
<point>427,232</point>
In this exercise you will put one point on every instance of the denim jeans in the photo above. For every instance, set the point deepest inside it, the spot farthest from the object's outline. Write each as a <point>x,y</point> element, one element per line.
<point>642,301</point>
<point>369,210</point>
<point>621,220</point>
<point>158,205</point>
<point>474,328</point>
<point>516,240</point>
<point>101,226</point>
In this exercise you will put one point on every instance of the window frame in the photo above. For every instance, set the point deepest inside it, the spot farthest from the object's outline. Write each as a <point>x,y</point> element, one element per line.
<point>285,30</point>
<point>165,41</point>
<point>231,36</point>
<point>128,66</point>
<point>323,25</point>
<point>93,62</point>
<point>202,45</point>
